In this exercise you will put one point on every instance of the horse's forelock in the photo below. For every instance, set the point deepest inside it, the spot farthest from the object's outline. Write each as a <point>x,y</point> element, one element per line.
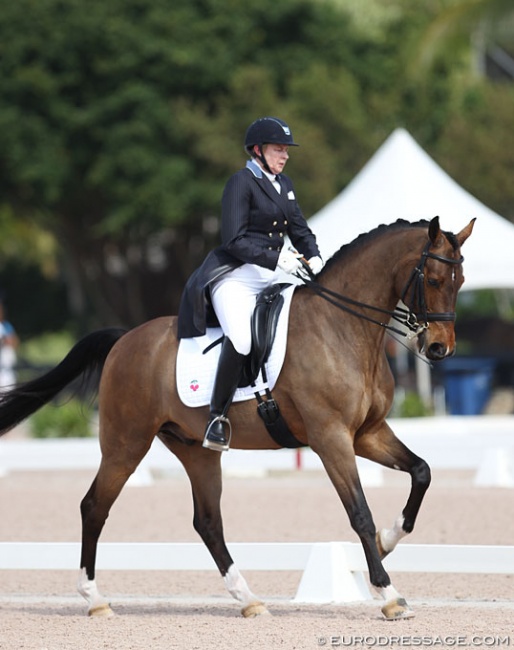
<point>452,239</point>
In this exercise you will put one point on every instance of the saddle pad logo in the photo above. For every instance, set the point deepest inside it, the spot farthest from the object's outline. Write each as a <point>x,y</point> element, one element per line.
<point>194,385</point>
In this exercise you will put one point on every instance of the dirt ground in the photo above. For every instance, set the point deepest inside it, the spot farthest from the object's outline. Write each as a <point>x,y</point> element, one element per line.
<point>191,610</point>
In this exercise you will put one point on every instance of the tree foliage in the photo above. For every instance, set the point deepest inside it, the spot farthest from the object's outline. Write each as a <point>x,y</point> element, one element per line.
<point>120,122</point>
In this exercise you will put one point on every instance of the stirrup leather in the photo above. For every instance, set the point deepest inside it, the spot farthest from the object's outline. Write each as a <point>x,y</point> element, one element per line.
<point>213,444</point>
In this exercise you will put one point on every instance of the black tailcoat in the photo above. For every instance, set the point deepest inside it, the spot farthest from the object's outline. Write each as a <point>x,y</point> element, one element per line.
<point>255,220</point>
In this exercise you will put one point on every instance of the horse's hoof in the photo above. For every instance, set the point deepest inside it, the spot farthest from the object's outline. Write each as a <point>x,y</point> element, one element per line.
<point>382,553</point>
<point>254,609</point>
<point>397,609</point>
<point>101,611</point>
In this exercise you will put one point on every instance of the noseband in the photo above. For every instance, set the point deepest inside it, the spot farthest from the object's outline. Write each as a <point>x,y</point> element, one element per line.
<point>415,321</point>
<point>416,286</point>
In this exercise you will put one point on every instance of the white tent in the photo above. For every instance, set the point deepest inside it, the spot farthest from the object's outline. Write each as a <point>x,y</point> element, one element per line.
<point>402,181</point>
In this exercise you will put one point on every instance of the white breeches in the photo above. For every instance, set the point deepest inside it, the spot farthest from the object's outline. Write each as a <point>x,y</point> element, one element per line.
<point>233,299</point>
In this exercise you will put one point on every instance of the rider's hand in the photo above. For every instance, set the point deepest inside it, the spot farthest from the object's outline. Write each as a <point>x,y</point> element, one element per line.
<point>316,264</point>
<point>289,261</point>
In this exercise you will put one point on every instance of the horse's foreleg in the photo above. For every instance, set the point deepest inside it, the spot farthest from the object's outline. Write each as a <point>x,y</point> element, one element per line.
<point>203,467</point>
<point>382,446</point>
<point>337,455</point>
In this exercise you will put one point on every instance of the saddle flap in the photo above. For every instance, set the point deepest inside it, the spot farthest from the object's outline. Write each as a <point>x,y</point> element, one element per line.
<point>265,317</point>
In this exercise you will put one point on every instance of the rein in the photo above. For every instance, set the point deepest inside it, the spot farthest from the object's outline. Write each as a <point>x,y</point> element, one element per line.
<point>407,317</point>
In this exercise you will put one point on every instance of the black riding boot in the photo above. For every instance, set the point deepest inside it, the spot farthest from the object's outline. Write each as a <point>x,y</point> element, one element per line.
<point>228,373</point>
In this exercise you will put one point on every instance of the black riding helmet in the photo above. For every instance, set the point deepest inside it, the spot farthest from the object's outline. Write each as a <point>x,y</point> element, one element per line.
<point>267,130</point>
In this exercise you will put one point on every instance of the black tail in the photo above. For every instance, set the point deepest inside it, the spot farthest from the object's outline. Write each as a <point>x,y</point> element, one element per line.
<point>85,358</point>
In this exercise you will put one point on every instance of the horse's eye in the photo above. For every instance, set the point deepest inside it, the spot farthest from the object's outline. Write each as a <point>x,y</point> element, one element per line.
<point>433,283</point>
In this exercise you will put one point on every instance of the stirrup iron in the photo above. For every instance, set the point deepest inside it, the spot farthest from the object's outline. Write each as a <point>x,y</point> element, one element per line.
<point>213,444</point>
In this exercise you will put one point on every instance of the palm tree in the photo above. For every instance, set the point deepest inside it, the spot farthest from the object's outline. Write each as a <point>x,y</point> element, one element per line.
<point>486,25</point>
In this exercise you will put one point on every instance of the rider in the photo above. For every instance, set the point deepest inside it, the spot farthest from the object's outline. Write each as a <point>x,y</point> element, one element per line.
<point>259,209</point>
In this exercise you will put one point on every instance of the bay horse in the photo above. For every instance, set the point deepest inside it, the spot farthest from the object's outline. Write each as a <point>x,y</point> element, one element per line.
<point>417,263</point>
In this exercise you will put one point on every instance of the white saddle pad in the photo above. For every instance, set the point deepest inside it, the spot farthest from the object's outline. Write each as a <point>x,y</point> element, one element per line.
<point>195,370</point>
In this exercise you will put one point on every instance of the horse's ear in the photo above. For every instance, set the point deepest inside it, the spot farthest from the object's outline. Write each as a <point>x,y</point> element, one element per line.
<point>434,231</point>
<point>465,232</point>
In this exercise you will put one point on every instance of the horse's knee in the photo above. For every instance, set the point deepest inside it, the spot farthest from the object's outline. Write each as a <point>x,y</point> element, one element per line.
<point>362,522</point>
<point>421,474</point>
<point>208,528</point>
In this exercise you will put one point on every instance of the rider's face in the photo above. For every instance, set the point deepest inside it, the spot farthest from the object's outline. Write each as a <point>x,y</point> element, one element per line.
<point>276,156</point>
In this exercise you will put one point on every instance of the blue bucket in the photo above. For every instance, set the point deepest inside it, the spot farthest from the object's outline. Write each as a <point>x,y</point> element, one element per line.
<point>467,384</point>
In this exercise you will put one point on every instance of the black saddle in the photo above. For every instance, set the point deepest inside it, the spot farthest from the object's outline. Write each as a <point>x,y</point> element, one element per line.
<point>264,322</point>
<point>264,328</point>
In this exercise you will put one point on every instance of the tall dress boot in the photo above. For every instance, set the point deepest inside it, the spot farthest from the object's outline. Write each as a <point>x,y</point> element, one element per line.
<point>228,374</point>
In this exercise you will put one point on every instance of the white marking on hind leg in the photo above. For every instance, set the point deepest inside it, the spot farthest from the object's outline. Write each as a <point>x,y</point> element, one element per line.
<point>389,537</point>
<point>88,589</point>
<point>238,587</point>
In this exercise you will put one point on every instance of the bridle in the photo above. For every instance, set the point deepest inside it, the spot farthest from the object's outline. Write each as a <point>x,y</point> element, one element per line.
<point>414,320</point>
<point>416,285</point>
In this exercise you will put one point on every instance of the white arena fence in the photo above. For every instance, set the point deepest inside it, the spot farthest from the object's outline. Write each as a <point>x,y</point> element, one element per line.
<point>332,572</point>
<point>483,444</point>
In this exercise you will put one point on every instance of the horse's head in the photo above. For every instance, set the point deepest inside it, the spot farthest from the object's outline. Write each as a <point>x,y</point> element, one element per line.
<point>431,291</point>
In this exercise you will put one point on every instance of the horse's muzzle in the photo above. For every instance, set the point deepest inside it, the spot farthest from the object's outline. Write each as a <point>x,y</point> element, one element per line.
<point>438,351</point>
<point>435,350</point>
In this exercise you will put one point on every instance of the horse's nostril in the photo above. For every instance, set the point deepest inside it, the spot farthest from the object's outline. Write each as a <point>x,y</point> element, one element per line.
<point>437,351</point>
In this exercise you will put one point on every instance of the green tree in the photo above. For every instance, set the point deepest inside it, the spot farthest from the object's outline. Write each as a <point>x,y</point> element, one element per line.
<point>120,122</point>
<point>471,26</point>
<point>474,141</point>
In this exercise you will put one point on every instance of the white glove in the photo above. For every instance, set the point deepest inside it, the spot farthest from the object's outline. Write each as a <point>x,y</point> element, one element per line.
<point>316,264</point>
<point>289,261</point>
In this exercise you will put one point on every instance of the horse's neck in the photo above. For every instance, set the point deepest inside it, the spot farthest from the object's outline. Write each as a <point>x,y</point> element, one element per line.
<point>368,273</point>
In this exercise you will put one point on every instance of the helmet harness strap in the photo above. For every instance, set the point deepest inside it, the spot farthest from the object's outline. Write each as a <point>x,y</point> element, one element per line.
<point>260,156</point>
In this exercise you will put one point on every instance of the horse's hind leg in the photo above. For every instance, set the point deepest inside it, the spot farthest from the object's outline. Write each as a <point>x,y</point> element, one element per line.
<point>95,506</point>
<point>203,467</point>
<point>382,446</point>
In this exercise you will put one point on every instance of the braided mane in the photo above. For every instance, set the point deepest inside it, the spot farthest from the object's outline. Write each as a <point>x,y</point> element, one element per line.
<point>366,237</point>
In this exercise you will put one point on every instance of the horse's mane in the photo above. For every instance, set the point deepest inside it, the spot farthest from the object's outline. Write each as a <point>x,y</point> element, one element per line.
<point>366,237</point>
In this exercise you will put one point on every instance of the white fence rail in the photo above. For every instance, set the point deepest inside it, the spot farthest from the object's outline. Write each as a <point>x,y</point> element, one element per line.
<point>484,444</point>
<point>332,571</point>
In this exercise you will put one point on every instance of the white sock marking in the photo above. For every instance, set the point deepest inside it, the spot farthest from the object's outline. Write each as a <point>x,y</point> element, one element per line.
<point>237,586</point>
<point>389,537</point>
<point>388,593</point>
<point>88,589</point>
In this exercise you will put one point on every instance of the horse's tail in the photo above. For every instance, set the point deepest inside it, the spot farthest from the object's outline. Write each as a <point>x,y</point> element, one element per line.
<point>85,358</point>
